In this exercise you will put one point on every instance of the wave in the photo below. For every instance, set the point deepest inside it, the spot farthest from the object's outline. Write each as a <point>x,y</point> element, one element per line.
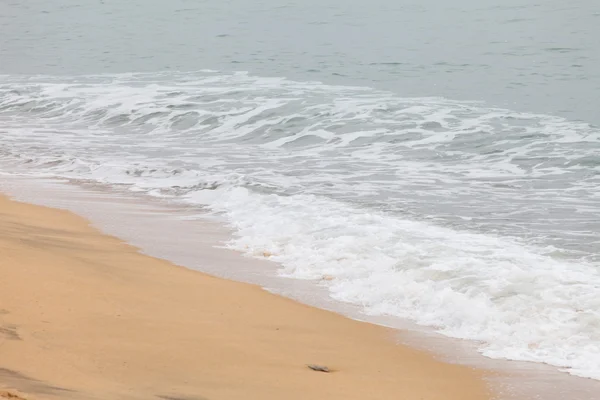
<point>478,221</point>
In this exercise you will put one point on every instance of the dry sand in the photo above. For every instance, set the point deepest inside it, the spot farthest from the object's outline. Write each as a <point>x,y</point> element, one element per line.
<point>85,316</point>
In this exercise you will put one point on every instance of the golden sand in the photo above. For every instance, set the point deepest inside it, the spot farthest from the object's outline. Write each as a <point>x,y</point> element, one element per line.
<point>85,316</point>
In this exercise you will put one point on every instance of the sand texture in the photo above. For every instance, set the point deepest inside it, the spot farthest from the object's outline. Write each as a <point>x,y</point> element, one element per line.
<point>83,315</point>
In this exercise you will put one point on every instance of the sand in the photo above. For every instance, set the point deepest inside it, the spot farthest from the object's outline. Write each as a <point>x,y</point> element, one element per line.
<point>83,315</point>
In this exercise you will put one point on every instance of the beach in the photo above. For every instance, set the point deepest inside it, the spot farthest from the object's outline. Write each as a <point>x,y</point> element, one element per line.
<point>405,194</point>
<point>84,315</point>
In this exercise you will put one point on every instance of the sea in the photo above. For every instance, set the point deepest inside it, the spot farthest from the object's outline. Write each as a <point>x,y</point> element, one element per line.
<point>428,161</point>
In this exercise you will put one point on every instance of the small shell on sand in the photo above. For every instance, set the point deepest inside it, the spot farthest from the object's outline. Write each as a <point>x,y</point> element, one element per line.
<point>319,368</point>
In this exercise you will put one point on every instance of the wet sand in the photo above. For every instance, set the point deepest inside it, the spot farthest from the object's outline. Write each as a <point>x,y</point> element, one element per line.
<point>83,315</point>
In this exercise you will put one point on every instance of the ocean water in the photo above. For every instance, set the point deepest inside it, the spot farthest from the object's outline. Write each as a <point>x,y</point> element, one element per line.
<point>424,160</point>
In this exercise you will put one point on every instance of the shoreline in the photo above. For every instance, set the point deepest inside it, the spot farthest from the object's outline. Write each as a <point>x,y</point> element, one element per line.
<point>88,316</point>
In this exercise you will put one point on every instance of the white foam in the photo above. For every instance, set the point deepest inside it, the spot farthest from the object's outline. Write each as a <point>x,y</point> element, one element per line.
<point>518,304</point>
<point>477,221</point>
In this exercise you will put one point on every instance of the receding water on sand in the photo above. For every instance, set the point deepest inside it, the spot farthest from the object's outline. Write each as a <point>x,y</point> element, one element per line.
<point>190,237</point>
<point>481,222</point>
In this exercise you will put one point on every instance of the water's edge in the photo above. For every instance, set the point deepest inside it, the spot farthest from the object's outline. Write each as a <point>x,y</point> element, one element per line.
<point>479,222</point>
<point>186,237</point>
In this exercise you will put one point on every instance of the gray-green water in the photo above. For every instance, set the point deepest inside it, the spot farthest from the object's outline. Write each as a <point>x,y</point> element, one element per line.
<point>538,56</point>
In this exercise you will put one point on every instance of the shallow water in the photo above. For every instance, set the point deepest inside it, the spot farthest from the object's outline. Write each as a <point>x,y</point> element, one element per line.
<point>190,238</point>
<point>445,169</point>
